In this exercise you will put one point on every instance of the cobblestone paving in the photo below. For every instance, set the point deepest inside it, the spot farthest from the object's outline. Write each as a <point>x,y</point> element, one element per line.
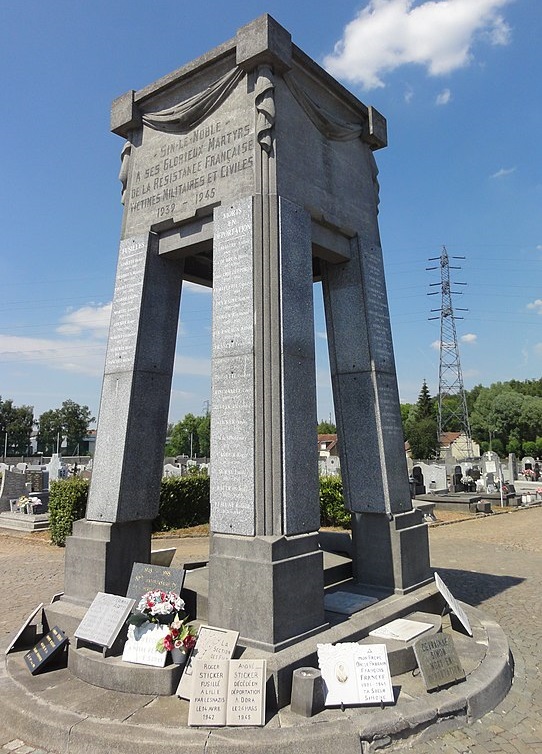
<point>494,562</point>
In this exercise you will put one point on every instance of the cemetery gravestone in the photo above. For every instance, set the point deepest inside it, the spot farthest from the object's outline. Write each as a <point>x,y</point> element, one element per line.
<point>252,170</point>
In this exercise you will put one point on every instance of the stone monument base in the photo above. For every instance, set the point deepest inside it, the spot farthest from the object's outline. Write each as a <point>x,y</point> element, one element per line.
<point>257,584</point>
<point>391,551</point>
<point>99,558</point>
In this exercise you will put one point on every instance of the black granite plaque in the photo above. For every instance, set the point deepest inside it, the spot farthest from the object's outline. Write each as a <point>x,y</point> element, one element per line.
<point>438,661</point>
<point>146,577</point>
<point>50,646</point>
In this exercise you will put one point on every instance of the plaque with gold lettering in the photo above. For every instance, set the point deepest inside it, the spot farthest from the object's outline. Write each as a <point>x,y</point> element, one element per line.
<point>51,645</point>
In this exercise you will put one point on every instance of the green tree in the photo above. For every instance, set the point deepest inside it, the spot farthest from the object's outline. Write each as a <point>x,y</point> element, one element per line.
<point>425,406</point>
<point>70,422</point>
<point>16,424</point>
<point>421,426</point>
<point>327,428</point>
<point>184,437</point>
<point>422,438</point>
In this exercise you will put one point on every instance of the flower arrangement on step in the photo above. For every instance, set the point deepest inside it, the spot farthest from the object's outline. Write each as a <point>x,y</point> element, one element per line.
<point>157,606</point>
<point>181,637</point>
<point>27,504</point>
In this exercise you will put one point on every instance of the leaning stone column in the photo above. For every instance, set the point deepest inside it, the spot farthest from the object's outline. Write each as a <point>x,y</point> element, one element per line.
<point>266,574</point>
<point>128,462</point>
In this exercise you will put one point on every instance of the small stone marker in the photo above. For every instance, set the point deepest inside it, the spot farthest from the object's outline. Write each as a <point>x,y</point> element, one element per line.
<point>347,603</point>
<point>141,644</point>
<point>146,577</point>
<point>438,661</point>
<point>209,692</point>
<point>454,605</point>
<point>104,619</point>
<point>212,644</point>
<point>47,648</point>
<point>307,692</point>
<point>355,674</point>
<point>23,628</point>
<point>401,629</point>
<point>228,692</point>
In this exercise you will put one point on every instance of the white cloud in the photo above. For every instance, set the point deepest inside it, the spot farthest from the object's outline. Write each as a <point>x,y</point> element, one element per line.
<point>444,97</point>
<point>538,348</point>
<point>76,356</point>
<point>435,345</point>
<point>502,172</point>
<point>539,247</point>
<point>409,95</point>
<point>469,338</point>
<point>437,34</point>
<point>93,320</point>
<point>536,306</point>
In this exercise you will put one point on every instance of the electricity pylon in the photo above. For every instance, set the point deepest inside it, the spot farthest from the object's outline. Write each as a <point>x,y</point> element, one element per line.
<point>450,382</point>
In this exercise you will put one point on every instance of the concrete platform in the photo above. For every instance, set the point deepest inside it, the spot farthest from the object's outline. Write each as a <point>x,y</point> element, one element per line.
<point>62,713</point>
<point>24,521</point>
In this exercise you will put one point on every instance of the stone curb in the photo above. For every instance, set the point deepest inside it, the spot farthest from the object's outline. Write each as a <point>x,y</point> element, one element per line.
<point>52,726</point>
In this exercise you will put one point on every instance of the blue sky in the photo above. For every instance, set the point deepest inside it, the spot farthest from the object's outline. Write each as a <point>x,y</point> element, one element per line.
<point>460,85</point>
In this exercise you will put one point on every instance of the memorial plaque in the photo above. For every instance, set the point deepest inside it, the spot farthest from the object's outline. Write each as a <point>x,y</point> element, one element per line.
<point>146,577</point>
<point>347,603</point>
<point>23,628</point>
<point>246,692</point>
<point>209,692</point>
<point>355,674</point>
<point>104,619</point>
<point>46,649</point>
<point>438,661</point>
<point>140,646</point>
<point>401,629</point>
<point>211,644</point>
<point>228,692</point>
<point>453,604</point>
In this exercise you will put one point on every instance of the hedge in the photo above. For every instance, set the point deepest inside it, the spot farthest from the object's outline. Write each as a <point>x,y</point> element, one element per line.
<point>67,503</point>
<point>184,502</point>
<point>332,510</point>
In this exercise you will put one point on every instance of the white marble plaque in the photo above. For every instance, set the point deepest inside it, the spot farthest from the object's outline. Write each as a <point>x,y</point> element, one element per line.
<point>209,693</point>
<point>454,605</point>
<point>246,692</point>
<point>355,674</point>
<point>401,629</point>
<point>104,619</point>
<point>140,646</point>
<point>212,644</point>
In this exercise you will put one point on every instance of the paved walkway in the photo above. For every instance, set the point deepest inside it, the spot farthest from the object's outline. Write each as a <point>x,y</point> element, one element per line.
<point>494,562</point>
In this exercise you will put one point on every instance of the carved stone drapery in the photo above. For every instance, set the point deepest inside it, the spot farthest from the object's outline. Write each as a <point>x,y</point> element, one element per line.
<point>265,107</point>
<point>191,112</point>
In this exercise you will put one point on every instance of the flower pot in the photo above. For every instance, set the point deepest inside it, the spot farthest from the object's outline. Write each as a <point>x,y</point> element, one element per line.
<point>178,657</point>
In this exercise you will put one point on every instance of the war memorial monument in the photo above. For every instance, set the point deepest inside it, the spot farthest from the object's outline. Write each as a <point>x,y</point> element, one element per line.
<point>251,170</point>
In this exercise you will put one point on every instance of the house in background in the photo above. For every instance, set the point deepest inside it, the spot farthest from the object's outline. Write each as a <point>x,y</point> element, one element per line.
<point>453,446</point>
<point>328,455</point>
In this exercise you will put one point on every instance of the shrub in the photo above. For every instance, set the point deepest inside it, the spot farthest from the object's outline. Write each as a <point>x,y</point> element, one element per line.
<point>67,503</point>
<point>332,510</point>
<point>184,501</point>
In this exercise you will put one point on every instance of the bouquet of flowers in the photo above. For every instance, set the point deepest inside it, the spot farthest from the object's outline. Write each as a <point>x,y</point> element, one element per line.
<point>157,607</point>
<point>25,503</point>
<point>181,636</point>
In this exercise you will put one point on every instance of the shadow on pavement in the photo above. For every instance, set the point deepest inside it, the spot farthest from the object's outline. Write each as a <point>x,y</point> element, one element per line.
<point>474,587</point>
